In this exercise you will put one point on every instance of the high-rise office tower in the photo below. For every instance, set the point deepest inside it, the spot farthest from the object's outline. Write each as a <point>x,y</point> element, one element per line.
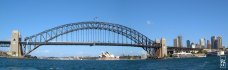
<point>188,43</point>
<point>219,42</point>
<point>175,43</point>
<point>180,41</point>
<point>208,44</point>
<point>202,43</point>
<point>213,39</point>
<point>216,44</point>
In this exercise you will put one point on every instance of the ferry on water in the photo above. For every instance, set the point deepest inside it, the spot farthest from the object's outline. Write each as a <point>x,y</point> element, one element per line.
<point>216,53</point>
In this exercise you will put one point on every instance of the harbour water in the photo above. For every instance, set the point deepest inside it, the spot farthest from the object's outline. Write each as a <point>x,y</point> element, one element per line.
<point>208,63</point>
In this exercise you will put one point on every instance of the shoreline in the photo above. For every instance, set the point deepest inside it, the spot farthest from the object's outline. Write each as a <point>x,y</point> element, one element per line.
<point>102,59</point>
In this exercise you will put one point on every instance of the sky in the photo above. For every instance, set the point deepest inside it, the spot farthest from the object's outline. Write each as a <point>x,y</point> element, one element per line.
<point>192,19</point>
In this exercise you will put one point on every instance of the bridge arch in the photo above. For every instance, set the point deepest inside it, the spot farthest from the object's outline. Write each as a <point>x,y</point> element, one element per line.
<point>50,34</point>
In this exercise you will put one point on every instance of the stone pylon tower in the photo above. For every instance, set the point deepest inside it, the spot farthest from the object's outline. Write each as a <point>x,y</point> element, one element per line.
<point>164,47</point>
<point>15,46</point>
<point>161,51</point>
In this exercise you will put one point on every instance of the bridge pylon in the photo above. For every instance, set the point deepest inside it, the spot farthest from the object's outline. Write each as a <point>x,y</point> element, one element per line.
<point>15,46</point>
<point>161,51</point>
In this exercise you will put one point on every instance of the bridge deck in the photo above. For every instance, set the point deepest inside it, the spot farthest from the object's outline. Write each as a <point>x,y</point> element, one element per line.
<point>80,43</point>
<point>86,43</point>
<point>7,43</point>
<point>4,42</point>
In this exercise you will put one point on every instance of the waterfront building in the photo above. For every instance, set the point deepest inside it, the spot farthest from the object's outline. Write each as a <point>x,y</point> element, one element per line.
<point>188,44</point>
<point>193,45</point>
<point>180,41</point>
<point>208,44</point>
<point>107,55</point>
<point>175,44</point>
<point>202,43</point>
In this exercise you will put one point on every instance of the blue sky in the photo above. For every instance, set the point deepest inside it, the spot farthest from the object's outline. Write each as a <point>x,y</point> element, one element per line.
<point>193,19</point>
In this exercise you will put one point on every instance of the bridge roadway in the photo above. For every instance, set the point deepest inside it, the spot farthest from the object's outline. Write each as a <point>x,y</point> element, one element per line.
<point>169,48</point>
<point>81,43</point>
<point>4,42</point>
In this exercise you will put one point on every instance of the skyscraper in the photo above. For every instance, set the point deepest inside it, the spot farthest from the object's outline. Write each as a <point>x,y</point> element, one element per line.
<point>213,38</point>
<point>180,41</point>
<point>202,43</point>
<point>188,44</point>
<point>208,44</point>
<point>219,42</point>
<point>175,43</point>
<point>216,44</point>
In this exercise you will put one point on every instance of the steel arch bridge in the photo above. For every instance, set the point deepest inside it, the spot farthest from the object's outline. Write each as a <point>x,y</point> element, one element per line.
<point>110,33</point>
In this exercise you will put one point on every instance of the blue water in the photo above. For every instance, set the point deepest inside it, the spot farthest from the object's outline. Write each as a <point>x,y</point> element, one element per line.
<point>209,63</point>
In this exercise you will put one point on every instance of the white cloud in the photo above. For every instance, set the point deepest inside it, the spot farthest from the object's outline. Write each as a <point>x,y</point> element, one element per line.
<point>148,22</point>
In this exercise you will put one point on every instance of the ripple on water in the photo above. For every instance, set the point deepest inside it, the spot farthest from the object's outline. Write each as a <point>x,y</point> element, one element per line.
<point>210,63</point>
<point>18,68</point>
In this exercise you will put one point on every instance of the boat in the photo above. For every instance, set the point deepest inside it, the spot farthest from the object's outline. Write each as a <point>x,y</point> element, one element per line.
<point>220,53</point>
<point>216,53</point>
<point>182,55</point>
<point>200,55</point>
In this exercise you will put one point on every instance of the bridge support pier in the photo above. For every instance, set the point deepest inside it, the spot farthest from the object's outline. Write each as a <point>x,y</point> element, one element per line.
<point>15,46</point>
<point>158,52</point>
<point>161,51</point>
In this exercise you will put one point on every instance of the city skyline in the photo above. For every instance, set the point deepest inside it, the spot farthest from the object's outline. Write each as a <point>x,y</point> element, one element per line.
<point>190,19</point>
<point>214,43</point>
